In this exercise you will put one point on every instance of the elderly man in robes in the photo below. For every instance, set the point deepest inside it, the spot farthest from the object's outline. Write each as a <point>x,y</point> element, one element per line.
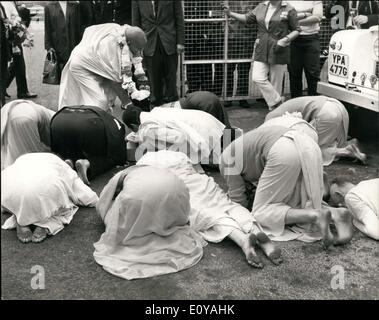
<point>41,190</point>
<point>193,132</point>
<point>25,128</point>
<point>362,201</point>
<point>100,68</point>
<point>146,212</point>
<point>213,214</point>
<point>331,121</point>
<point>286,165</point>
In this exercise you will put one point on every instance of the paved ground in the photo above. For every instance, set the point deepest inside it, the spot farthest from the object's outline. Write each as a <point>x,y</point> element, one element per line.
<point>71,272</point>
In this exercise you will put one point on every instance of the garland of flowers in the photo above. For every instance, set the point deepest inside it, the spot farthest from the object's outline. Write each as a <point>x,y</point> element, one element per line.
<point>126,70</point>
<point>18,34</point>
<point>126,65</point>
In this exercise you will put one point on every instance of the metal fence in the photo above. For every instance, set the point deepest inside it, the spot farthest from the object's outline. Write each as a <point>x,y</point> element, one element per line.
<point>219,50</point>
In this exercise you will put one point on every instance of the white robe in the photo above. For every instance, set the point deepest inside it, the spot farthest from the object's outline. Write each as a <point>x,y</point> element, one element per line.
<point>41,189</point>
<point>146,225</point>
<point>363,203</point>
<point>93,65</point>
<point>193,132</point>
<point>213,214</point>
<point>25,128</point>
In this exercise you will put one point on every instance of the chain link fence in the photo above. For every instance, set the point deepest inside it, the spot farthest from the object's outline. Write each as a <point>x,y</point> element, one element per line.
<point>219,51</point>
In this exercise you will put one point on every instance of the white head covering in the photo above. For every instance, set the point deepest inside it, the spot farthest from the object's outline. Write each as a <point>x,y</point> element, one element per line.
<point>147,232</point>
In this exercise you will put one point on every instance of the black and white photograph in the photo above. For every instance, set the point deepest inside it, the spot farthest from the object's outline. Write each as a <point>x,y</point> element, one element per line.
<point>207,152</point>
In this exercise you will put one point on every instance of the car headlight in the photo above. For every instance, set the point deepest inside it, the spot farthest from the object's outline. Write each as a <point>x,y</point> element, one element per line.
<point>332,45</point>
<point>339,46</point>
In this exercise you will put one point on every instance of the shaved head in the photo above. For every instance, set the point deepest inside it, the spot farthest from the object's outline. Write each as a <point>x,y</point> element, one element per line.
<point>135,38</point>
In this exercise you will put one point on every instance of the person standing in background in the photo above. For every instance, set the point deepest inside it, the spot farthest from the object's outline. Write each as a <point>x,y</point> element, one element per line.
<point>163,24</point>
<point>366,13</point>
<point>25,15</point>
<point>17,67</point>
<point>99,12</point>
<point>305,50</point>
<point>62,29</point>
<point>277,28</point>
<point>4,54</point>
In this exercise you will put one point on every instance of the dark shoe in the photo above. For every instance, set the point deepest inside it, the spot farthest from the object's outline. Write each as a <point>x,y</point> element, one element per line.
<point>27,95</point>
<point>244,104</point>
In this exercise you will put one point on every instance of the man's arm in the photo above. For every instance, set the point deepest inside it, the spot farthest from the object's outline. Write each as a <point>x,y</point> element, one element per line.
<point>48,40</point>
<point>373,19</point>
<point>306,19</point>
<point>179,22</point>
<point>136,15</point>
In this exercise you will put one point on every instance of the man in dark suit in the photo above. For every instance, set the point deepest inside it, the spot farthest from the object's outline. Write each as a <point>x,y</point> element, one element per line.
<point>62,29</point>
<point>17,68</point>
<point>367,12</point>
<point>163,24</point>
<point>99,12</point>
<point>25,15</point>
<point>4,55</point>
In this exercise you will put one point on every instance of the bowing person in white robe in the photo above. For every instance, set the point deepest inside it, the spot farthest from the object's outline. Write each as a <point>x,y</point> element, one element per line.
<point>213,214</point>
<point>25,128</point>
<point>330,119</point>
<point>100,67</point>
<point>193,132</point>
<point>286,164</point>
<point>362,200</point>
<point>42,190</point>
<point>146,213</point>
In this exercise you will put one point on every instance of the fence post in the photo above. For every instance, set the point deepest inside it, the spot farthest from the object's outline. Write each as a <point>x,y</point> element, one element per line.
<point>226,47</point>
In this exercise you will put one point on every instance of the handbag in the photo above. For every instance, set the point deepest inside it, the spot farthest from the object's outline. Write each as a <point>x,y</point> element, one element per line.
<point>51,70</point>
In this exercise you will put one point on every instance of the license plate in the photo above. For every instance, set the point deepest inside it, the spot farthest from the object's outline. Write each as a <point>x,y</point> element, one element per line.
<point>339,65</point>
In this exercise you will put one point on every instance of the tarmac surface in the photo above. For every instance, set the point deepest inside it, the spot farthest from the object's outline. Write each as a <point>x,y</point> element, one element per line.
<point>72,273</point>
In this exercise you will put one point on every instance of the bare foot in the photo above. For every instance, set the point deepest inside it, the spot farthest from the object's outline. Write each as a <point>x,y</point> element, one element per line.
<point>251,255</point>
<point>82,166</point>
<point>353,141</point>
<point>70,163</point>
<point>342,219</point>
<point>356,153</point>
<point>324,217</point>
<point>272,252</point>
<point>39,234</point>
<point>24,234</point>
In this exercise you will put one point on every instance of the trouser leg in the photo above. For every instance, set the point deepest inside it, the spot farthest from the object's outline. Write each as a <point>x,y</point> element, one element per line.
<point>20,73</point>
<point>170,71</point>
<point>155,73</point>
<point>312,64</point>
<point>277,76</point>
<point>295,68</point>
<point>261,72</point>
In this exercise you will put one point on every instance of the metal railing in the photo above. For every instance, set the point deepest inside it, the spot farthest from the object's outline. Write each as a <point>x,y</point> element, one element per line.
<point>219,50</point>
